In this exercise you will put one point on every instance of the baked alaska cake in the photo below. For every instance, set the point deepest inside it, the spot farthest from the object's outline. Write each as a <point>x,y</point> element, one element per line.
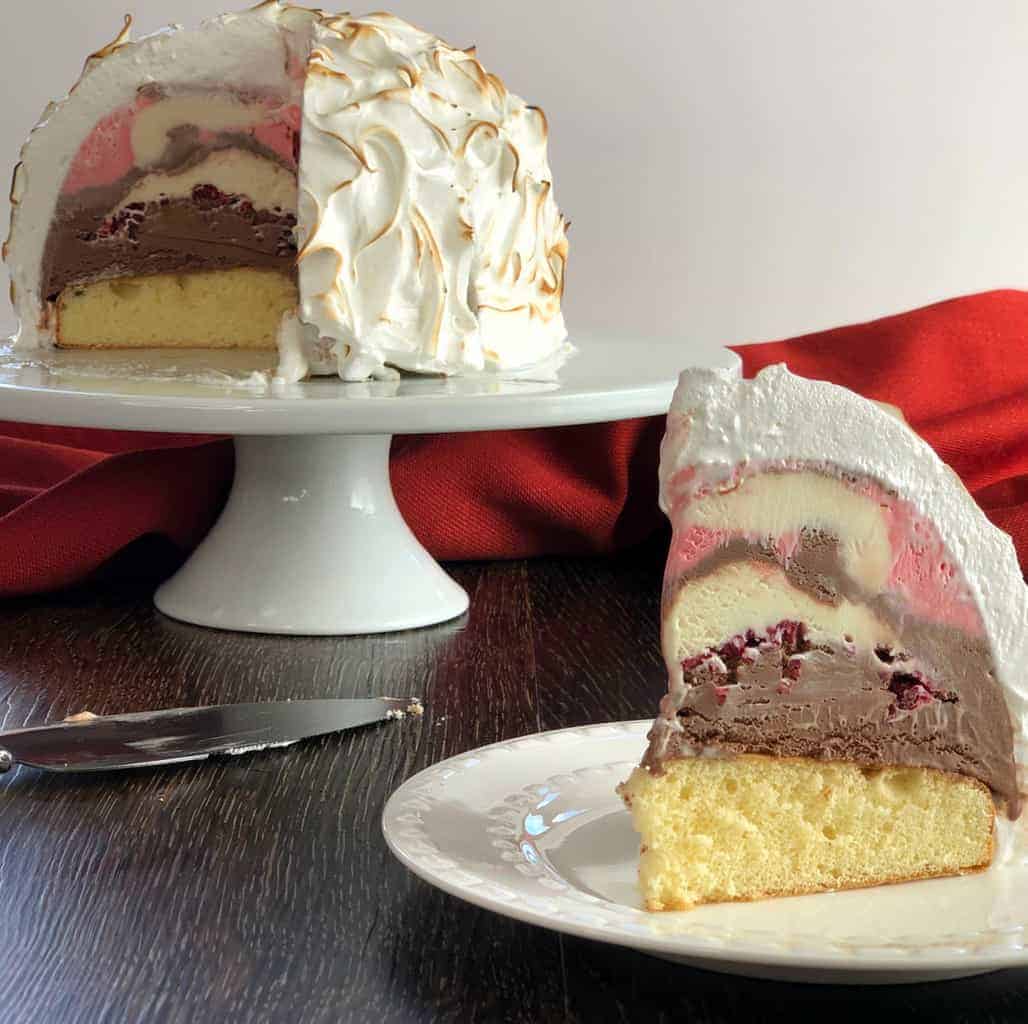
<point>846,637</point>
<point>352,190</point>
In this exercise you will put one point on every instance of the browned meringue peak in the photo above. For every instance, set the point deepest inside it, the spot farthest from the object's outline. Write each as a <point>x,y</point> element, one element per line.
<point>424,174</point>
<point>120,40</point>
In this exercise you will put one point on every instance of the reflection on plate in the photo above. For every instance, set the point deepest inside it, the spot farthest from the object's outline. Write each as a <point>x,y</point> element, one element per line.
<point>532,829</point>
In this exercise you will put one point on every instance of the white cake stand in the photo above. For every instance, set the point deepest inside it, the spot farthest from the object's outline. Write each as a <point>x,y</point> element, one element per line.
<point>311,541</point>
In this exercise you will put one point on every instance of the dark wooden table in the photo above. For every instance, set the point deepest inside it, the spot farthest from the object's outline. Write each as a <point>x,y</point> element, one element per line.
<point>260,889</point>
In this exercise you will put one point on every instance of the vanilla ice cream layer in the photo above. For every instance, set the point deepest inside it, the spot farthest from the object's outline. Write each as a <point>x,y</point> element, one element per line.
<point>268,185</point>
<point>152,125</point>
<point>742,596</point>
<point>781,505</point>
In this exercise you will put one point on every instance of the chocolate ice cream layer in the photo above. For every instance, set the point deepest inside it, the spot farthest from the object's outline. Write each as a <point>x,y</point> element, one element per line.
<point>205,232</point>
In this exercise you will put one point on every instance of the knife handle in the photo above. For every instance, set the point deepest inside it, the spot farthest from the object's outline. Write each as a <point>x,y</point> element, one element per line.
<point>6,761</point>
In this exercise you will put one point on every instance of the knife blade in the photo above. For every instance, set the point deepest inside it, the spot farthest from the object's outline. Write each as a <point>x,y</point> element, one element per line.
<point>87,743</point>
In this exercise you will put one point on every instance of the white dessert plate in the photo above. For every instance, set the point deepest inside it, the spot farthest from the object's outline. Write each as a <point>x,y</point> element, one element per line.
<point>532,829</point>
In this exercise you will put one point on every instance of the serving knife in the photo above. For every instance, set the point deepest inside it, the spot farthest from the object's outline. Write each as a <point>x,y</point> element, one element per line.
<point>87,743</point>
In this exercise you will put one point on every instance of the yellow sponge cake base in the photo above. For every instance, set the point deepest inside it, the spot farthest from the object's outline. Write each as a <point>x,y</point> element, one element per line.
<point>238,308</point>
<point>744,828</point>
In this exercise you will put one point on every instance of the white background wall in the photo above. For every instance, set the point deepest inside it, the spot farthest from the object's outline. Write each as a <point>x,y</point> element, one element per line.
<point>737,169</point>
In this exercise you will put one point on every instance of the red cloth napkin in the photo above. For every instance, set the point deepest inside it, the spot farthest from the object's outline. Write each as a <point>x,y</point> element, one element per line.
<point>70,500</point>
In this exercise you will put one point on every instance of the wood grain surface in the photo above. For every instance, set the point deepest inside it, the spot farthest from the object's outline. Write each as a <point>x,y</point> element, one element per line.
<point>260,889</point>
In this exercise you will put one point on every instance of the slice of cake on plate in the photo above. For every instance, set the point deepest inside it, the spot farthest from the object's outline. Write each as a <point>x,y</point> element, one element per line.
<point>353,190</point>
<point>845,634</point>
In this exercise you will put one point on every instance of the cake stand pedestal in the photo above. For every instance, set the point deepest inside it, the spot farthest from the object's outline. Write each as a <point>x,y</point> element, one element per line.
<point>311,541</point>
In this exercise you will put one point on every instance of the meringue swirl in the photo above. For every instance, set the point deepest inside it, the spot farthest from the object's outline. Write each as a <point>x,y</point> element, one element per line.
<point>430,237</point>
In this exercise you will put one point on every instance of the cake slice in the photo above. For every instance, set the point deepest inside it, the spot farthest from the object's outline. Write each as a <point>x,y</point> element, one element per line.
<point>845,634</point>
<point>352,190</point>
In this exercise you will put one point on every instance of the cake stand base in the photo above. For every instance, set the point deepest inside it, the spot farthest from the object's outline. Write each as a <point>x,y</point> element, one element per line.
<point>312,543</point>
